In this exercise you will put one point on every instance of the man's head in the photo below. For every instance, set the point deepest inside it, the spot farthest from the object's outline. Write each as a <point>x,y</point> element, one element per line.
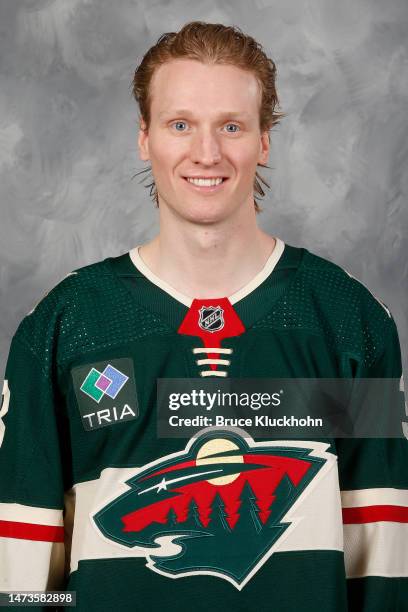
<point>207,101</point>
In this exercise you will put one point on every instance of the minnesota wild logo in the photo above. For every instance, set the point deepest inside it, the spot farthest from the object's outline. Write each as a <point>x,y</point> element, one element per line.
<point>218,507</point>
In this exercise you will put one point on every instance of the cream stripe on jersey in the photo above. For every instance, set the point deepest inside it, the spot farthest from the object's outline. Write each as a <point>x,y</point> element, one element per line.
<point>374,549</point>
<point>374,497</point>
<point>32,566</point>
<point>29,514</point>
<point>235,297</point>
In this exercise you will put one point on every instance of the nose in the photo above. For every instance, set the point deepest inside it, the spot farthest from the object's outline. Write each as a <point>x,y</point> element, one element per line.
<point>205,148</point>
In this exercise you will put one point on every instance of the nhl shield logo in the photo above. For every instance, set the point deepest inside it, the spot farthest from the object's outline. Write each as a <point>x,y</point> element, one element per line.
<point>211,318</point>
<point>221,506</point>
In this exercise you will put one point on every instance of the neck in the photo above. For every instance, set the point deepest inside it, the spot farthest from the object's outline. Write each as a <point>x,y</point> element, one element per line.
<point>207,260</point>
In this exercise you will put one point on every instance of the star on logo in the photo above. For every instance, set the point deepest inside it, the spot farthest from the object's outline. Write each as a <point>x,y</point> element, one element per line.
<point>162,486</point>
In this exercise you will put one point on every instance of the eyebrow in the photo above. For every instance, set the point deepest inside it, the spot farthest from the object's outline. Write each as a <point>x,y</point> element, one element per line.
<point>223,115</point>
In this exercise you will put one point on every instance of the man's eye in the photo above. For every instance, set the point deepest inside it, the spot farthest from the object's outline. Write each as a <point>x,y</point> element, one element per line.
<point>179,123</point>
<point>234,125</point>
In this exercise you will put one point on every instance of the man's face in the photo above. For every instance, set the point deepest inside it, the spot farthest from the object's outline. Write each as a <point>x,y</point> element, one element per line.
<point>204,123</point>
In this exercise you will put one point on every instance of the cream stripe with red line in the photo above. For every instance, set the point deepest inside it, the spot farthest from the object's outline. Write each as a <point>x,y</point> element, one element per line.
<point>375,529</point>
<point>30,523</point>
<point>374,505</point>
<point>31,547</point>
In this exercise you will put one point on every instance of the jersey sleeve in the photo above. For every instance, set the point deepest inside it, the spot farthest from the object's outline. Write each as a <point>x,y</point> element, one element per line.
<point>373,476</point>
<point>32,555</point>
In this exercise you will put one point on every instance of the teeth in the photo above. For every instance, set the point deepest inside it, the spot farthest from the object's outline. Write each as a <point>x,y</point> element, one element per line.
<point>205,182</point>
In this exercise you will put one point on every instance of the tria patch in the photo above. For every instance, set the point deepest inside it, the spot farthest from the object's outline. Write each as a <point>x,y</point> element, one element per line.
<point>96,387</point>
<point>109,382</point>
<point>220,507</point>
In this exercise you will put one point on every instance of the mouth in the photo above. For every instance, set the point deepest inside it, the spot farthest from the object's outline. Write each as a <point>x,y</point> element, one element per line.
<point>205,185</point>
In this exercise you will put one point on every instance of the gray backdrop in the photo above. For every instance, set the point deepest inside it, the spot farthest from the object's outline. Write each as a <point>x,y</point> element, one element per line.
<point>68,129</point>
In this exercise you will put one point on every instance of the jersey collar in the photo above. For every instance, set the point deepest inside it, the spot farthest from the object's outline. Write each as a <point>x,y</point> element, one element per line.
<point>251,302</point>
<point>257,280</point>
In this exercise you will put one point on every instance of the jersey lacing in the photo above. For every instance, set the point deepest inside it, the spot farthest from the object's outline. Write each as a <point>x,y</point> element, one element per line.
<point>216,362</point>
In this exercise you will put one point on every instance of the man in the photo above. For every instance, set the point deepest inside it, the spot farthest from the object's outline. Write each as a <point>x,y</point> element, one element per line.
<point>221,520</point>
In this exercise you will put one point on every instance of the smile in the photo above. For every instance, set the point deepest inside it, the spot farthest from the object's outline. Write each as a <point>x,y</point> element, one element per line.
<point>206,184</point>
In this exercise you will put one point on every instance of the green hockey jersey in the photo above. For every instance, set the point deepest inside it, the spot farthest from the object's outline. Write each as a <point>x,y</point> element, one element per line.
<point>92,500</point>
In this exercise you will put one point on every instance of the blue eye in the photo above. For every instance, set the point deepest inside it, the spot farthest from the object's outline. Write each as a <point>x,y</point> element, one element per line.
<point>235,125</point>
<point>178,123</point>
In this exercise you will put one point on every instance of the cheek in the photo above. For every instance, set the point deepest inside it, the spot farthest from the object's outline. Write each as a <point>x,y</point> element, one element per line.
<point>247,164</point>
<point>165,157</point>
<point>244,155</point>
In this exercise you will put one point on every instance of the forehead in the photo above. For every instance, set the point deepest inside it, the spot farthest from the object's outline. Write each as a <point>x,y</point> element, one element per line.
<point>189,84</point>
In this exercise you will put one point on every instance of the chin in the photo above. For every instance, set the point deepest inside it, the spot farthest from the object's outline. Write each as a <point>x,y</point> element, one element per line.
<point>202,212</point>
<point>205,217</point>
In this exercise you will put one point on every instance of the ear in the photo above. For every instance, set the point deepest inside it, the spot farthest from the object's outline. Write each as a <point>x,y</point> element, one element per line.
<point>143,141</point>
<point>264,148</point>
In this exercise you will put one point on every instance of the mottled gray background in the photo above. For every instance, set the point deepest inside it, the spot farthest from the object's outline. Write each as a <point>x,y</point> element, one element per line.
<point>68,129</point>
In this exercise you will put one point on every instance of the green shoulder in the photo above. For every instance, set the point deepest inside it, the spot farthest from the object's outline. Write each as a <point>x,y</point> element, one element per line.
<point>357,320</point>
<point>63,310</point>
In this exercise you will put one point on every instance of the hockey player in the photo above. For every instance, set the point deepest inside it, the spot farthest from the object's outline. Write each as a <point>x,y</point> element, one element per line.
<point>92,500</point>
